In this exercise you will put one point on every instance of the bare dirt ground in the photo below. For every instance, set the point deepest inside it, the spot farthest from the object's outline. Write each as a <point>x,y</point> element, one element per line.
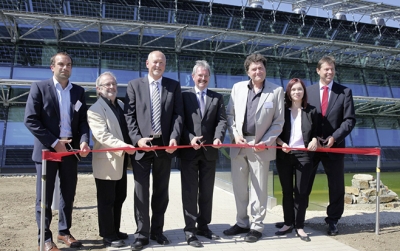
<point>18,230</point>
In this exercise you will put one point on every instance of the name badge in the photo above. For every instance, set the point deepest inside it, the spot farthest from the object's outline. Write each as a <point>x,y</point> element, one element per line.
<point>268,105</point>
<point>78,105</point>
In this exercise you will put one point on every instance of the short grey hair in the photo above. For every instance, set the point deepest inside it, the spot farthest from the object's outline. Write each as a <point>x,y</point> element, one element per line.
<point>98,84</point>
<point>201,63</point>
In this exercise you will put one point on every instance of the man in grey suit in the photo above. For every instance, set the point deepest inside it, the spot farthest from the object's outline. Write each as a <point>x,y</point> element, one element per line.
<point>107,122</point>
<point>204,123</point>
<point>337,115</point>
<point>153,108</point>
<point>255,117</point>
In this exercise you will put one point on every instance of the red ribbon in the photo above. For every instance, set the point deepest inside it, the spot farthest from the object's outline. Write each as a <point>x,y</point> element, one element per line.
<point>54,156</point>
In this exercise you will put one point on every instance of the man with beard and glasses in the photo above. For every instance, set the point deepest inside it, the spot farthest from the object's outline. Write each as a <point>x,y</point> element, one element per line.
<point>153,108</point>
<point>204,123</point>
<point>55,114</point>
<point>109,130</point>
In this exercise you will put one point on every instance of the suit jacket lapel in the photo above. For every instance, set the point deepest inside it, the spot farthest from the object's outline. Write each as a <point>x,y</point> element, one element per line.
<point>54,98</point>
<point>112,118</point>
<point>332,98</point>
<point>163,95</point>
<point>73,99</point>
<point>208,100</point>
<point>145,93</point>
<point>195,103</point>
<point>265,93</point>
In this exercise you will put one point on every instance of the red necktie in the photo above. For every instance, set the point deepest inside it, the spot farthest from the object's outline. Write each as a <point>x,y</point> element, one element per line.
<point>324,103</point>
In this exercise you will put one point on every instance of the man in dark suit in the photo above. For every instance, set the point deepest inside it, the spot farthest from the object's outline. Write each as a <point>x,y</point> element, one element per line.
<point>205,123</point>
<point>153,108</point>
<point>56,115</point>
<point>335,106</point>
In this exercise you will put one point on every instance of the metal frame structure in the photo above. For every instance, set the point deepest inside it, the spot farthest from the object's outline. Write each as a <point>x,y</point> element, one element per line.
<point>368,106</point>
<point>196,27</point>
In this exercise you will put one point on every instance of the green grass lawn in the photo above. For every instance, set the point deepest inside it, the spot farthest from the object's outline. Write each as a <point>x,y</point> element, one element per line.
<point>319,195</point>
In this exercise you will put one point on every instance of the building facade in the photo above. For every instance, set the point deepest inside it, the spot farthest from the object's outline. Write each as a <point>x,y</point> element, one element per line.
<point>117,35</point>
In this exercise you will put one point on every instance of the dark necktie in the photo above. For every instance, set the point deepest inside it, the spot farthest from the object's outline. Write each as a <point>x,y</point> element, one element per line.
<point>324,103</point>
<point>201,103</point>
<point>156,109</point>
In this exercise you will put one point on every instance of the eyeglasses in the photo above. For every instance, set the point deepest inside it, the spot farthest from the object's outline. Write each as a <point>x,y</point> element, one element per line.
<point>108,85</point>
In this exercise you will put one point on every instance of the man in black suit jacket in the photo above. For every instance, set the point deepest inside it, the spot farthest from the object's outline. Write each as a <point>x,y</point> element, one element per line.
<point>205,122</point>
<point>140,120</point>
<point>56,115</point>
<point>335,124</point>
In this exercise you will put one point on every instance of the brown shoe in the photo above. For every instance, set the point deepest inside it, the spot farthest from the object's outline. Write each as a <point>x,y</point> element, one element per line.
<point>69,240</point>
<point>49,246</point>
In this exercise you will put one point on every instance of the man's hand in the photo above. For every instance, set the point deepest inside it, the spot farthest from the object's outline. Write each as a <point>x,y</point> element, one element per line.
<point>257,147</point>
<point>240,140</point>
<point>330,142</point>
<point>195,142</point>
<point>85,149</point>
<point>285,148</point>
<point>142,143</point>
<point>60,146</point>
<point>172,142</point>
<point>313,145</point>
<point>130,152</point>
<point>217,143</point>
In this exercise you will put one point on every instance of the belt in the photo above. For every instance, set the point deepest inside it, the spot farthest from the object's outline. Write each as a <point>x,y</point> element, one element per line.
<point>65,138</point>
<point>156,136</point>
<point>248,135</point>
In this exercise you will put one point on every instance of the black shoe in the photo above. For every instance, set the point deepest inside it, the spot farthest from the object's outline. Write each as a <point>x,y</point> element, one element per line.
<point>289,230</point>
<point>236,230</point>
<point>333,230</point>
<point>192,240</point>
<point>253,236</point>
<point>279,224</point>
<point>122,236</point>
<point>208,234</point>
<point>160,238</point>
<point>139,244</point>
<point>113,242</point>
<point>303,238</point>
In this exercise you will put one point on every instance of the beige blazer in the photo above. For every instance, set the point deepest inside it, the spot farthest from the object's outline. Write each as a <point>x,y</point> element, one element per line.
<point>269,116</point>
<point>106,133</point>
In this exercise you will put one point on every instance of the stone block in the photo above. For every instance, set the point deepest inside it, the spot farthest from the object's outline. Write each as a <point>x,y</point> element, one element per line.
<point>361,184</point>
<point>362,200</point>
<point>348,199</point>
<point>351,190</point>
<point>366,177</point>
<point>368,192</point>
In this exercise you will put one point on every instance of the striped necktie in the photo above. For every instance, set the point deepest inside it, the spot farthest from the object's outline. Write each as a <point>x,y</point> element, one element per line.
<point>156,109</point>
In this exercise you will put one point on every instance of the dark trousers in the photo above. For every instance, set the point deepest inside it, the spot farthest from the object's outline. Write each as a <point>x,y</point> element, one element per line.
<point>294,197</point>
<point>160,168</point>
<point>334,170</point>
<point>68,173</point>
<point>197,179</point>
<point>111,194</point>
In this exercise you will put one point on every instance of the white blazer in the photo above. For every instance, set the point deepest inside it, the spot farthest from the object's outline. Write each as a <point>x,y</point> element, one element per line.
<point>106,133</point>
<point>269,116</point>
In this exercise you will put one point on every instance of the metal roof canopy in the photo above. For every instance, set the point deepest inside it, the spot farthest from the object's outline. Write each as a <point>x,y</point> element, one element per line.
<point>368,106</point>
<point>195,27</point>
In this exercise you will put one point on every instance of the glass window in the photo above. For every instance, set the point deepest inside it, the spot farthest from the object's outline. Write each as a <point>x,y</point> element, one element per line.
<point>377,84</point>
<point>291,70</point>
<point>394,80</point>
<point>229,71</point>
<point>85,65</point>
<point>351,78</point>
<point>388,131</point>
<point>124,65</point>
<point>273,74</point>
<point>364,133</point>
<point>5,72</point>
<point>16,131</point>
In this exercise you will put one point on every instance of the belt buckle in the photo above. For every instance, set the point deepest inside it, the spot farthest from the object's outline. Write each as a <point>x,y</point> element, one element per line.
<point>156,136</point>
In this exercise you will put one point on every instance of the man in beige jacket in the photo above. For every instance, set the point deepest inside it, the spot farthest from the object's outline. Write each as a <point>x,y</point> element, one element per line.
<point>109,130</point>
